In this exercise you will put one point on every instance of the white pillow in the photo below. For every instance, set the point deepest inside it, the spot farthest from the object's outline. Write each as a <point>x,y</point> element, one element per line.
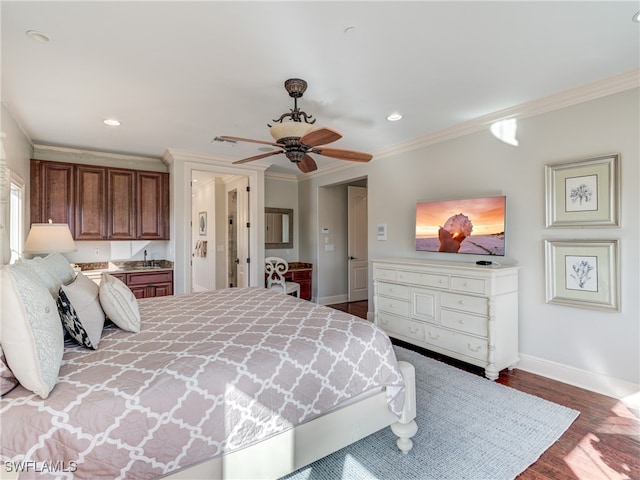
<point>46,273</point>
<point>80,311</point>
<point>119,303</point>
<point>8,380</point>
<point>30,333</point>
<point>59,266</point>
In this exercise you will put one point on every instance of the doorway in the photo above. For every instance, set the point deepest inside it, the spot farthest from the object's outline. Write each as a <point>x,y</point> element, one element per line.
<point>219,231</point>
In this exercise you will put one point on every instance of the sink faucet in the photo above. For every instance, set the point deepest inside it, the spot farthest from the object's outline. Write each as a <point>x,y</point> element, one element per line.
<point>145,264</point>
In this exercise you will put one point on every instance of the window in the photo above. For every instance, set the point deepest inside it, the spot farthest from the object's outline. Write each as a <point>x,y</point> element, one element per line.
<point>16,217</point>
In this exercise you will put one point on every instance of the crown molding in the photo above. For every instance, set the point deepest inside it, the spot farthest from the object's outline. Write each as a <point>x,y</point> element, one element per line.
<point>90,157</point>
<point>592,91</point>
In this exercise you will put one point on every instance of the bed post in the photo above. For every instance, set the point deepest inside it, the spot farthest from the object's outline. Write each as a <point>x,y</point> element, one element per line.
<point>406,427</point>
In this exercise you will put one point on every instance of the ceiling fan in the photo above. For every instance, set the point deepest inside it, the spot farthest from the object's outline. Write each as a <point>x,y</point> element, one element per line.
<point>296,138</point>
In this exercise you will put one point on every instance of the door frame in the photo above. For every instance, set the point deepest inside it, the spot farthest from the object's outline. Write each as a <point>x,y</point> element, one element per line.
<point>181,165</point>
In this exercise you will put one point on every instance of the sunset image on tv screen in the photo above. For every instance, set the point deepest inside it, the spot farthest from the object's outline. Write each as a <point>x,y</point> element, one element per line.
<point>473,226</point>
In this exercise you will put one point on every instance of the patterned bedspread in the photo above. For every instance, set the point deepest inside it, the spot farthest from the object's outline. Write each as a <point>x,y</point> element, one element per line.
<point>208,374</point>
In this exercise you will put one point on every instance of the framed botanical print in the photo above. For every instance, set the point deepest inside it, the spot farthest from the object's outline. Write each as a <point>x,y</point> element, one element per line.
<point>584,193</point>
<point>202,223</point>
<point>583,273</point>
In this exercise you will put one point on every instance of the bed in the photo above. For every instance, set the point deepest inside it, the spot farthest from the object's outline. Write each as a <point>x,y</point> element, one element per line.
<point>235,383</point>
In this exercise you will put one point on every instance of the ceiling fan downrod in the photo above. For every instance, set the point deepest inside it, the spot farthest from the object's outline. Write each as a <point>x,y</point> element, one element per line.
<point>296,88</point>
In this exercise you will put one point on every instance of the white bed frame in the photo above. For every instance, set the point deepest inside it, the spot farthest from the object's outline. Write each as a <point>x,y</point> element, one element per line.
<point>296,448</point>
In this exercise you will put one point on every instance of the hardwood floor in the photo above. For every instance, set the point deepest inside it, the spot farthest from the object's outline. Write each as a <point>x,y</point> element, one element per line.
<point>603,443</point>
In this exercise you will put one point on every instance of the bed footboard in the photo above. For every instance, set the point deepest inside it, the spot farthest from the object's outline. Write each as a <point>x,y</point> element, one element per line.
<point>406,427</point>
<point>291,450</point>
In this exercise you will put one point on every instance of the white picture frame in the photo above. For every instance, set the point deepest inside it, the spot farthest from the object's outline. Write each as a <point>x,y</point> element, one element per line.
<point>583,273</point>
<point>583,193</point>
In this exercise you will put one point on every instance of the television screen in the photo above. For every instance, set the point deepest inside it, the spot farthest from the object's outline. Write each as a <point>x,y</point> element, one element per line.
<point>474,226</point>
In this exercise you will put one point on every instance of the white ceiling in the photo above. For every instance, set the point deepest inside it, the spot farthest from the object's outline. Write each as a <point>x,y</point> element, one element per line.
<point>177,74</point>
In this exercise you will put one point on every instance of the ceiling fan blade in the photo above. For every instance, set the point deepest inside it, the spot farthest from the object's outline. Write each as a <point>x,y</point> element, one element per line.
<point>258,157</point>
<point>240,139</point>
<point>321,136</point>
<point>307,164</point>
<point>343,154</point>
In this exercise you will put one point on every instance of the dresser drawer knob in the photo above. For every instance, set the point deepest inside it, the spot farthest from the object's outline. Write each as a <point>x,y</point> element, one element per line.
<point>477,349</point>
<point>384,322</point>
<point>461,302</point>
<point>434,337</point>
<point>414,329</point>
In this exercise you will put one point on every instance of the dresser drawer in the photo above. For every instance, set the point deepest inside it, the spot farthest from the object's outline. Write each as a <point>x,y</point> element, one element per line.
<point>393,305</point>
<point>457,342</point>
<point>424,279</point>
<point>384,274</point>
<point>394,290</point>
<point>401,326</point>
<point>466,303</point>
<point>469,285</point>
<point>464,322</point>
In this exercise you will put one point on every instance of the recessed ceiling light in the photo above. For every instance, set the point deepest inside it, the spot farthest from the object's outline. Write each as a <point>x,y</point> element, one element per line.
<point>394,117</point>
<point>112,122</point>
<point>636,17</point>
<point>38,36</point>
<point>350,30</point>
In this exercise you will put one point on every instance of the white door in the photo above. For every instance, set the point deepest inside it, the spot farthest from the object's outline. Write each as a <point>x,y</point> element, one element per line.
<point>358,249</point>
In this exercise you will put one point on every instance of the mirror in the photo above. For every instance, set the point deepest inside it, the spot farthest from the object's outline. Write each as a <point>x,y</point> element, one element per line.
<point>278,227</point>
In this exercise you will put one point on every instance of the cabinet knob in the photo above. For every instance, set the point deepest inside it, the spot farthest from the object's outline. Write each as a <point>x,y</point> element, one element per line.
<point>477,349</point>
<point>434,337</point>
<point>413,329</point>
<point>461,302</point>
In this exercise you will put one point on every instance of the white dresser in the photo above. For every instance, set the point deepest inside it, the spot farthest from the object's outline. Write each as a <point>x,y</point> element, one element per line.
<point>462,310</point>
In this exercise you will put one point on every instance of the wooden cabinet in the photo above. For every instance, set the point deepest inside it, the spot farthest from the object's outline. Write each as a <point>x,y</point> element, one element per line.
<point>464,311</point>
<point>52,193</point>
<point>90,203</point>
<point>121,212</point>
<point>150,284</point>
<point>101,203</point>
<point>152,205</point>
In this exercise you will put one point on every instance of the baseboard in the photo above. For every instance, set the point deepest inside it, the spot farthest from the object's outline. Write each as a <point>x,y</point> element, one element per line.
<point>595,382</point>
<point>332,299</point>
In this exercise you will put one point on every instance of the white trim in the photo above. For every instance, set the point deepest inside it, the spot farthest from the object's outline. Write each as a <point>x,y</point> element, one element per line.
<point>332,299</point>
<point>595,382</point>
<point>602,88</point>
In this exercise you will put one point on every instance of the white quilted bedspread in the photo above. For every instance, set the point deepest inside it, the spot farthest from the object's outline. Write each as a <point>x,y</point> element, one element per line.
<point>208,374</point>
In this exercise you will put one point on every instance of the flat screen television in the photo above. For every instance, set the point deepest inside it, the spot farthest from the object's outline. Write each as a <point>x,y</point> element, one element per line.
<point>472,225</point>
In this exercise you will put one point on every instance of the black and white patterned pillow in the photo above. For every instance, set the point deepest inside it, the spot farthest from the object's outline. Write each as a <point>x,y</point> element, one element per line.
<point>71,322</point>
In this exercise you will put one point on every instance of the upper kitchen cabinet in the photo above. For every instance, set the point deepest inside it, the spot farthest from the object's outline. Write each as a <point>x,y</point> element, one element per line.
<point>152,205</point>
<point>52,193</point>
<point>101,203</point>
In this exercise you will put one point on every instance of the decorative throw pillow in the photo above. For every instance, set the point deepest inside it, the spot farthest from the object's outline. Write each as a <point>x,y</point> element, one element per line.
<point>30,332</point>
<point>46,273</point>
<point>59,266</point>
<point>80,311</point>
<point>8,380</point>
<point>119,303</point>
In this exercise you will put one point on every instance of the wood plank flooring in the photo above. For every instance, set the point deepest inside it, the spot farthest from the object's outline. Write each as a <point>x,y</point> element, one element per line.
<point>602,444</point>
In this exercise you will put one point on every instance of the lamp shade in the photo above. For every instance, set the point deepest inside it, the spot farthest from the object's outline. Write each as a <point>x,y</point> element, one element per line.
<point>49,238</point>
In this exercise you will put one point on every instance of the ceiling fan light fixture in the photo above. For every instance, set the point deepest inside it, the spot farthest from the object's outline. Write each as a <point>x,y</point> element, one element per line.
<point>289,130</point>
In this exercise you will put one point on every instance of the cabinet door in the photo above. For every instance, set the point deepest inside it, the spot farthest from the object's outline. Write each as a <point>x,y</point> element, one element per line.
<point>153,205</point>
<point>121,204</point>
<point>52,193</point>
<point>91,200</point>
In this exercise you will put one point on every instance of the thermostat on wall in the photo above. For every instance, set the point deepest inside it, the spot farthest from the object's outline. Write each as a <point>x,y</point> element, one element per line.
<point>382,231</point>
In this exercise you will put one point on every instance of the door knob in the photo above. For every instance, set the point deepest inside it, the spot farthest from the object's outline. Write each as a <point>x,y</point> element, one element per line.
<point>352,258</point>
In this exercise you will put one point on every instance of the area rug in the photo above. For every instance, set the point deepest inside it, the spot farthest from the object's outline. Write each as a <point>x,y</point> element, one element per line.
<point>468,428</point>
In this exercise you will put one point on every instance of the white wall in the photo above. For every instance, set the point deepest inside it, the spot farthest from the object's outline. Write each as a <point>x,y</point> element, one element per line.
<point>598,350</point>
<point>204,267</point>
